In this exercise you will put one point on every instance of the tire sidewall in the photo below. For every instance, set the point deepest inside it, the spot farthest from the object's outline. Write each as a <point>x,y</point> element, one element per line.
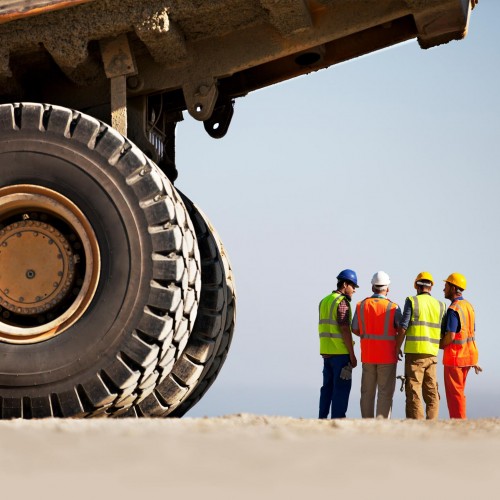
<point>102,194</point>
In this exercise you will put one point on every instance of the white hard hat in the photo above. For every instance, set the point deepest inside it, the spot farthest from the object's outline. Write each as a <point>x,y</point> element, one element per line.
<point>381,279</point>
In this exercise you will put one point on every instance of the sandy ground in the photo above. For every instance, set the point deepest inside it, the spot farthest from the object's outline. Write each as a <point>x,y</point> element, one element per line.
<point>250,457</point>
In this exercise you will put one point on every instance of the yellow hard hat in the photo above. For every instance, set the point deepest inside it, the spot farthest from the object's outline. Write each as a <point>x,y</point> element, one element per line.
<point>458,280</point>
<point>423,276</point>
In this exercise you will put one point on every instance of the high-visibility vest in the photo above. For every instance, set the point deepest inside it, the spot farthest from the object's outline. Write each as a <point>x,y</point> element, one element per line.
<point>377,330</point>
<point>330,337</point>
<point>424,331</point>
<point>462,351</point>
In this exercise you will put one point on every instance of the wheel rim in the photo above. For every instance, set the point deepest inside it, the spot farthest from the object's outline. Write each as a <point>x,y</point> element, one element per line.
<point>49,263</point>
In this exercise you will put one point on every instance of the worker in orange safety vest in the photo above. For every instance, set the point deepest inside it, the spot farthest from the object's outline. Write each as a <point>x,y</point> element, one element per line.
<point>459,343</point>
<point>376,322</point>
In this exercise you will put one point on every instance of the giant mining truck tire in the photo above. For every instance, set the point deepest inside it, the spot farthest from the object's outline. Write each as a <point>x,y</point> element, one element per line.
<point>100,273</point>
<point>202,359</point>
<point>225,335</point>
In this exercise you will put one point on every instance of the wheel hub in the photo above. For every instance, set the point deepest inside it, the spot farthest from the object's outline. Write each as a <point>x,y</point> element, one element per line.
<point>36,265</point>
<point>49,263</point>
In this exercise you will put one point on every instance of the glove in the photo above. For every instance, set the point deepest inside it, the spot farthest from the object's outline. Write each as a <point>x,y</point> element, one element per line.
<point>477,369</point>
<point>346,372</point>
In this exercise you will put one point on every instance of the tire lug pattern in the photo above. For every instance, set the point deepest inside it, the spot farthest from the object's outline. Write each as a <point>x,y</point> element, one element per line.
<point>164,311</point>
<point>207,346</point>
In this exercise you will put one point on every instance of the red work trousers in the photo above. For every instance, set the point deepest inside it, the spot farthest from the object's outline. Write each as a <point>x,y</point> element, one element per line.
<point>454,384</point>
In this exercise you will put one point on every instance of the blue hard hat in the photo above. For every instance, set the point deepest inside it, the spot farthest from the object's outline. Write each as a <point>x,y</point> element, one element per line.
<point>348,275</point>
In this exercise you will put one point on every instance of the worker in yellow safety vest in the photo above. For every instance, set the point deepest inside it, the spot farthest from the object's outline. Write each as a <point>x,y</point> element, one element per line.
<point>336,346</point>
<point>459,344</point>
<point>421,328</point>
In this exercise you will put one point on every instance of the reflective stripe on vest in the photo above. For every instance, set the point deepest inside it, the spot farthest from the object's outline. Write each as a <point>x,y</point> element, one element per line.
<point>377,330</point>
<point>330,336</point>
<point>424,331</point>
<point>462,351</point>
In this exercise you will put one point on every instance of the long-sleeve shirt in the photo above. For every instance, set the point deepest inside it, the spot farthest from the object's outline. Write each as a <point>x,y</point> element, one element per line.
<point>343,318</point>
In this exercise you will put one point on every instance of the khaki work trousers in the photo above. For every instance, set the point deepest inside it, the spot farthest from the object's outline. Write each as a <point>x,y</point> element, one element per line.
<point>380,379</point>
<point>421,382</point>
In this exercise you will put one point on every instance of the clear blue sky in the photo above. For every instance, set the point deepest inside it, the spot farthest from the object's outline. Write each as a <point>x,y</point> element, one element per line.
<point>403,146</point>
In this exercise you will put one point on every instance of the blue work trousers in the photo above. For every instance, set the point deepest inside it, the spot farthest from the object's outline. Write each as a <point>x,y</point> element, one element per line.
<point>335,391</point>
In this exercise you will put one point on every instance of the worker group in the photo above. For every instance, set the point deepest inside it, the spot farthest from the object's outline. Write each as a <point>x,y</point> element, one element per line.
<point>425,326</point>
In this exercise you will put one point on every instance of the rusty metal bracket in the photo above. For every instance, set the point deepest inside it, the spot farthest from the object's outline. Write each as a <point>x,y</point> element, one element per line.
<point>218,123</point>
<point>118,64</point>
<point>201,98</point>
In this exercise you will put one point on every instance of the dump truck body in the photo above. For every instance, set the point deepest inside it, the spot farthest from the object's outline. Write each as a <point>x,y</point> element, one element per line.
<point>197,50</point>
